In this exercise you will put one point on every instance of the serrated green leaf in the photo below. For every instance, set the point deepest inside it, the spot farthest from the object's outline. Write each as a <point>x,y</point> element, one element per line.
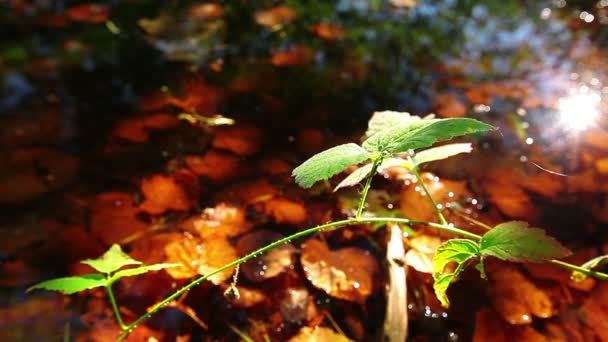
<point>355,177</point>
<point>70,285</point>
<point>457,251</point>
<point>112,260</point>
<point>422,133</point>
<point>515,241</point>
<point>385,119</point>
<point>591,264</point>
<point>441,152</point>
<point>329,163</point>
<point>141,270</point>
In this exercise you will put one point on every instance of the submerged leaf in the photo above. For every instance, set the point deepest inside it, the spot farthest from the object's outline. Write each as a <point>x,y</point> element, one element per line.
<point>515,241</point>
<point>441,152</point>
<point>70,285</point>
<point>329,163</point>
<point>112,260</point>
<point>457,251</point>
<point>422,133</point>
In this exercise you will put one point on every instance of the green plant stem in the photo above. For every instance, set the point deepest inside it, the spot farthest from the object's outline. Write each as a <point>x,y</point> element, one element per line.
<point>368,184</point>
<point>428,195</point>
<point>585,271</point>
<point>309,231</point>
<point>122,324</point>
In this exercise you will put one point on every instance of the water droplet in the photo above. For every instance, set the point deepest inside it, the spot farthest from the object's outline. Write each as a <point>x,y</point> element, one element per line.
<point>356,285</point>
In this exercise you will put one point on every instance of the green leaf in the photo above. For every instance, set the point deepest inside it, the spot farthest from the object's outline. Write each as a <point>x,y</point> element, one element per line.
<point>386,119</point>
<point>423,133</point>
<point>112,260</point>
<point>441,152</point>
<point>515,241</point>
<point>457,251</point>
<point>591,264</point>
<point>328,163</point>
<point>71,285</point>
<point>141,270</point>
<point>357,176</point>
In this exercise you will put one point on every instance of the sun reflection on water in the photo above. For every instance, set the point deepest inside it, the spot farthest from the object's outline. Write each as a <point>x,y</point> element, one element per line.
<point>580,109</point>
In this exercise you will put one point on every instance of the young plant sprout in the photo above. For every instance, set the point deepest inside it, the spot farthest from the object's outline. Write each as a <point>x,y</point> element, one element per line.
<point>392,138</point>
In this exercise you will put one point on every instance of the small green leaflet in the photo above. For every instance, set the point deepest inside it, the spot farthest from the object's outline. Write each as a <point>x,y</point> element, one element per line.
<point>515,241</point>
<point>111,261</point>
<point>354,178</point>
<point>329,163</point>
<point>591,264</point>
<point>441,152</point>
<point>71,285</point>
<point>386,119</point>
<point>457,250</point>
<point>423,133</point>
<point>141,270</point>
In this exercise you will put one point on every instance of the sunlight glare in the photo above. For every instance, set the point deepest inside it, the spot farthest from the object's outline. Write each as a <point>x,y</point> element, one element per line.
<point>579,110</point>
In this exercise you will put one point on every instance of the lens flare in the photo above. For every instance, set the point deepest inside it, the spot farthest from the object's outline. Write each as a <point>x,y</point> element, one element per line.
<point>579,110</point>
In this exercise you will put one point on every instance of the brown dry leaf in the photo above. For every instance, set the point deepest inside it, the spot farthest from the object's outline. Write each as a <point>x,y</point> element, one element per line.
<point>114,217</point>
<point>221,220</point>
<point>274,166</point>
<point>276,16</point>
<point>448,106</point>
<point>24,130</point>
<point>200,257</point>
<point>416,206</point>
<point>597,138</point>
<point>515,297</point>
<point>198,97</point>
<point>507,196</point>
<point>151,249</point>
<point>89,13</point>
<point>318,334</point>
<point>248,296</point>
<point>594,312</point>
<point>138,130</point>
<point>421,252</point>
<point>297,305</point>
<point>346,273</point>
<point>206,11</point>
<point>490,327</point>
<point>34,319</point>
<point>293,56</point>
<point>105,329</point>
<point>329,31</point>
<point>215,165</point>
<point>176,192</point>
<point>242,141</point>
<point>285,211</point>
<point>250,192</point>
<point>269,264</point>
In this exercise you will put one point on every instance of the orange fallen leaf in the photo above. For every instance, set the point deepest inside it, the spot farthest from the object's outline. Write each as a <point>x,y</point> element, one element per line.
<point>285,211</point>
<point>347,273</point>
<point>421,252</point>
<point>328,31</point>
<point>269,264</point>
<point>215,165</point>
<point>114,217</point>
<point>448,106</point>
<point>275,16</point>
<point>318,334</point>
<point>242,141</point>
<point>293,56</point>
<point>206,11</point>
<point>89,13</point>
<point>176,192</point>
<point>221,220</point>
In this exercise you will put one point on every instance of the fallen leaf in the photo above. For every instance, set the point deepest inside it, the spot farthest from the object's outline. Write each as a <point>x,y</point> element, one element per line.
<point>176,192</point>
<point>310,140</point>
<point>215,165</point>
<point>242,141</point>
<point>318,334</point>
<point>271,263</point>
<point>292,56</point>
<point>206,11</point>
<point>328,31</point>
<point>490,327</point>
<point>347,273</point>
<point>222,220</point>
<point>448,106</point>
<point>421,252</point>
<point>89,13</point>
<point>114,217</point>
<point>275,16</point>
<point>285,211</point>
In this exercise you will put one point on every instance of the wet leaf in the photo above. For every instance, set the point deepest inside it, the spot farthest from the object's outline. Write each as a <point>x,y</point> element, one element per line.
<point>457,251</point>
<point>242,141</point>
<point>70,285</point>
<point>200,256</point>
<point>176,192</point>
<point>205,11</point>
<point>515,241</point>
<point>215,165</point>
<point>328,31</point>
<point>422,133</point>
<point>292,56</point>
<point>329,163</point>
<point>269,264</point>
<point>441,152</point>
<point>318,334</point>
<point>114,217</point>
<point>89,13</point>
<point>421,252</point>
<point>346,273</point>
<point>221,220</point>
<point>284,211</point>
<point>111,260</point>
<point>275,16</point>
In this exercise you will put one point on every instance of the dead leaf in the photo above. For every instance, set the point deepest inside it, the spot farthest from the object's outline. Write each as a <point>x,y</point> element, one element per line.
<point>176,192</point>
<point>215,165</point>
<point>297,305</point>
<point>448,106</point>
<point>222,220</point>
<point>421,252</point>
<point>328,31</point>
<point>318,334</point>
<point>200,257</point>
<point>275,16</point>
<point>114,217</point>
<point>285,211</point>
<point>310,140</point>
<point>347,273</point>
<point>490,327</point>
<point>269,264</point>
<point>292,56</point>
<point>206,11</point>
<point>89,13</point>
<point>242,141</point>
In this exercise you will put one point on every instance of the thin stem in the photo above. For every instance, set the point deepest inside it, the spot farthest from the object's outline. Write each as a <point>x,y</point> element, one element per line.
<point>122,324</point>
<point>585,271</point>
<point>428,195</point>
<point>368,184</point>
